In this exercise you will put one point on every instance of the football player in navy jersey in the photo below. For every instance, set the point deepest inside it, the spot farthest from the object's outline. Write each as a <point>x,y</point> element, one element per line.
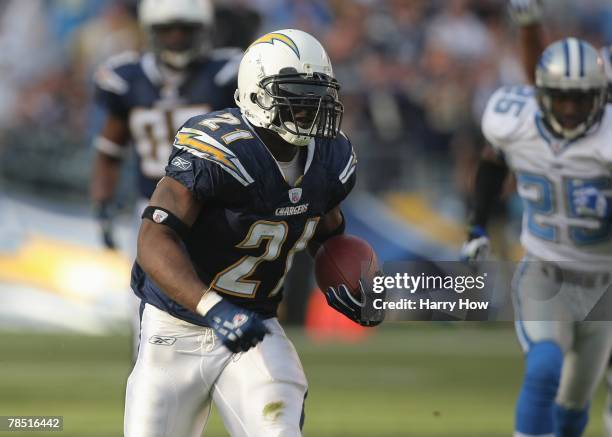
<point>147,97</point>
<point>245,189</point>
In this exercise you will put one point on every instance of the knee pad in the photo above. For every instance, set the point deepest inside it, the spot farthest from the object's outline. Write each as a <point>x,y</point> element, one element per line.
<point>534,410</point>
<point>543,367</point>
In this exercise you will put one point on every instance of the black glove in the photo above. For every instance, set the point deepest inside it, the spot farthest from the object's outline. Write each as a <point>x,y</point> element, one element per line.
<point>359,310</point>
<point>104,214</point>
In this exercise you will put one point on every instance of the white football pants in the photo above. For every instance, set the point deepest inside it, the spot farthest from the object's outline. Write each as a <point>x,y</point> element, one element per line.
<point>182,367</point>
<point>545,309</point>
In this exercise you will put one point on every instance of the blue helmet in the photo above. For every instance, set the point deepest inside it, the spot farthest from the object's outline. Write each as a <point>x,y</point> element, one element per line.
<point>571,69</point>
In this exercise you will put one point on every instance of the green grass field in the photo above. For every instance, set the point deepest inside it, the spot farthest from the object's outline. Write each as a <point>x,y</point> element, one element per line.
<point>406,380</point>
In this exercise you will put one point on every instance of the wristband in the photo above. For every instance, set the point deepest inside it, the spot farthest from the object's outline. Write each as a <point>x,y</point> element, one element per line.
<point>208,300</point>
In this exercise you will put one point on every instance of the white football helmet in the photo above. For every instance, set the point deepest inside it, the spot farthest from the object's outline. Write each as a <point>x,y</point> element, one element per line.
<point>571,69</point>
<point>286,84</point>
<point>195,17</point>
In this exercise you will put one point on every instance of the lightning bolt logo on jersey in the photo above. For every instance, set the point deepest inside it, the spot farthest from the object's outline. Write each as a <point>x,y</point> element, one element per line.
<point>549,170</point>
<point>130,87</point>
<point>253,221</point>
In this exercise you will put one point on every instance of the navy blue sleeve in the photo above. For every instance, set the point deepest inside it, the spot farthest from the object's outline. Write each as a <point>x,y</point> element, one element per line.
<point>196,174</point>
<point>112,83</point>
<point>342,174</point>
<point>192,162</point>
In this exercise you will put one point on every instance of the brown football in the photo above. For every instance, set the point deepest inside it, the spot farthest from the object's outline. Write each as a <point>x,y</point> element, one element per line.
<point>344,259</point>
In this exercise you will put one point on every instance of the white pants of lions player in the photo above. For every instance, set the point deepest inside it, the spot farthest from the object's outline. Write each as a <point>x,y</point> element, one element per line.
<point>182,367</point>
<point>545,308</point>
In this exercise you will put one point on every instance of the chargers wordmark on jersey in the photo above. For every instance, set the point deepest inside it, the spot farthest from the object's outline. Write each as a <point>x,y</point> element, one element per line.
<point>291,210</point>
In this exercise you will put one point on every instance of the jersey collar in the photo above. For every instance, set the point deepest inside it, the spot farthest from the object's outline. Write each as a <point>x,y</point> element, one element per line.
<point>311,146</point>
<point>558,145</point>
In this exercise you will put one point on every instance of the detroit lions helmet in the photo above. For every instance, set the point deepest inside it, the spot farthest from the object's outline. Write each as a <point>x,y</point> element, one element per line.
<point>193,18</point>
<point>286,84</point>
<point>571,70</point>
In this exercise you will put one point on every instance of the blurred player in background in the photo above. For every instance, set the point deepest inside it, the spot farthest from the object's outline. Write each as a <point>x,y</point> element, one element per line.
<point>527,14</point>
<point>556,140</point>
<point>147,97</point>
<point>245,189</point>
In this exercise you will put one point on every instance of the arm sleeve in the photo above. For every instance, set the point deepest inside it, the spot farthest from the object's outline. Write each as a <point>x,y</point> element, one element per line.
<point>196,174</point>
<point>343,174</point>
<point>490,177</point>
<point>111,86</point>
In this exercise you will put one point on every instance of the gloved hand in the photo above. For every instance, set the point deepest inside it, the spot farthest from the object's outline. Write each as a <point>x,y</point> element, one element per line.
<point>590,202</point>
<point>238,329</point>
<point>477,246</point>
<point>104,214</point>
<point>356,309</point>
<point>525,12</point>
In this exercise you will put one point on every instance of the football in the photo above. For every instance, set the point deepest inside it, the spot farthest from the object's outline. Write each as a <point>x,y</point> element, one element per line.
<point>344,259</point>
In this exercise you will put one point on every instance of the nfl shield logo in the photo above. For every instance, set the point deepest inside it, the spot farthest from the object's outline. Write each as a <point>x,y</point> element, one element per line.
<point>295,194</point>
<point>159,216</point>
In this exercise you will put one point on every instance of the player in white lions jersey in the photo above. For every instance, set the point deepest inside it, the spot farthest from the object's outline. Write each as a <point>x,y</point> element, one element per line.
<point>556,139</point>
<point>528,16</point>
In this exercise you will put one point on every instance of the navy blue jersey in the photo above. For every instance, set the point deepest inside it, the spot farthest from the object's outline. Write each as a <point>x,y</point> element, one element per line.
<point>252,221</point>
<point>130,86</point>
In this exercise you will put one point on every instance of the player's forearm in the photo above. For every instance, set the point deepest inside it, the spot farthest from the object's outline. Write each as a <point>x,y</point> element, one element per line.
<point>104,178</point>
<point>532,46</point>
<point>490,178</point>
<point>330,225</point>
<point>162,257</point>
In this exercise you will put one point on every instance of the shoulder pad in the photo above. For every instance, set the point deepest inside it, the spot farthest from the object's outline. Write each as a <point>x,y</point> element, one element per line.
<point>225,53</point>
<point>229,58</point>
<point>203,137</point>
<point>506,113</point>
<point>349,157</point>
<point>340,157</point>
<point>110,75</point>
<point>605,132</point>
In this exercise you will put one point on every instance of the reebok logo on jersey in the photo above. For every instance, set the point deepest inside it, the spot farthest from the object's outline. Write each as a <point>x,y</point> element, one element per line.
<point>159,216</point>
<point>181,163</point>
<point>291,210</point>
<point>163,341</point>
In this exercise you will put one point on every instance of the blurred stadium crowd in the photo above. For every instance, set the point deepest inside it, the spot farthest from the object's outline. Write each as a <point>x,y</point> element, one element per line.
<point>415,75</point>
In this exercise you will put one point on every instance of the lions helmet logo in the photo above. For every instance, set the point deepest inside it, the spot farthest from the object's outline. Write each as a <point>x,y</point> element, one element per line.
<point>282,38</point>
